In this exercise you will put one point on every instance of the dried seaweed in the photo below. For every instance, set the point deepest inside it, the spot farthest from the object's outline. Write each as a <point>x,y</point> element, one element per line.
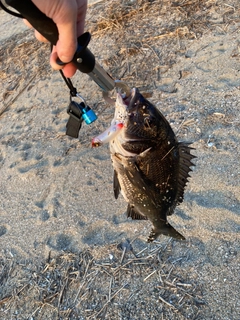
<point>79,286</point>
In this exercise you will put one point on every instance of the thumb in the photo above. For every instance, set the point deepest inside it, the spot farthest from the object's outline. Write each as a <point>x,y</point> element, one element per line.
<point>64,14</point>
<point>67,41</point>
<point>70,25</point>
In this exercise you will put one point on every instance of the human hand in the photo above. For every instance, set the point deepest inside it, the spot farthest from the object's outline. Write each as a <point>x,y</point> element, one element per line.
<point>69,16</point>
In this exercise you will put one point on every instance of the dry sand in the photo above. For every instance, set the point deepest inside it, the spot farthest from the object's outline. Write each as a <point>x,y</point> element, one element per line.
<point>67,249</point>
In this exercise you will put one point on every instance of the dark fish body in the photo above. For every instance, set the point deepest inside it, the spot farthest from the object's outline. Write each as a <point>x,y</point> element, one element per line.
<point>151,168</point>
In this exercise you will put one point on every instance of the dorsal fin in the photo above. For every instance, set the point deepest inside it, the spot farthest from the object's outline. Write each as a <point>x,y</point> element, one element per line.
<point>134,214</point>
<point>185,165</point>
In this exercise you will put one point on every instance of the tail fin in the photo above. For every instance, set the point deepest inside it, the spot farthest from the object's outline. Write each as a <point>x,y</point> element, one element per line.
<point>166,230</point>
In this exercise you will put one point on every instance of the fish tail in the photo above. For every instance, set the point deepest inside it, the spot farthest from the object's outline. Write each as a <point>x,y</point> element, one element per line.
<point>166,230</point>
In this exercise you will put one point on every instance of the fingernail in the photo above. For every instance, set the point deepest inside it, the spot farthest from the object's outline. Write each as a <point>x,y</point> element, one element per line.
<point>65,59</point>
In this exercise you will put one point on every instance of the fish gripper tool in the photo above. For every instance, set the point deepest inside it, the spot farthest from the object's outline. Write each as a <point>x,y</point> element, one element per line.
<point>84,60</point>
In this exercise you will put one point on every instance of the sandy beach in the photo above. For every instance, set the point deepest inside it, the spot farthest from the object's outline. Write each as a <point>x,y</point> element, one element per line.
<point>68,250</point>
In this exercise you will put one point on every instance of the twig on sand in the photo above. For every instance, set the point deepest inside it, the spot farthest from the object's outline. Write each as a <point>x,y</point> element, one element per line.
<point>152,273</point>
<point>123,254</point>
<point>104,306</point>
<point>84,282</point>
<point>167,303</point>
<point>94,3</point>
<point>5,299</point>
<point>110,289</point>
<point>5,107</point>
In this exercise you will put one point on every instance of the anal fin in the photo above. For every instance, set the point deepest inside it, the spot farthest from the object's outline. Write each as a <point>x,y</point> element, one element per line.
<point>134,214</point>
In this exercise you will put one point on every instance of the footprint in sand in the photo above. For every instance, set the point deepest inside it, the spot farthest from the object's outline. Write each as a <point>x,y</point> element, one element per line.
<point>3,230</point>
<point>60,242</point>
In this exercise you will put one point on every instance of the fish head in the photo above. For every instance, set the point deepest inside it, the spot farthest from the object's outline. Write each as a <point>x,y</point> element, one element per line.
<point>142,120</point>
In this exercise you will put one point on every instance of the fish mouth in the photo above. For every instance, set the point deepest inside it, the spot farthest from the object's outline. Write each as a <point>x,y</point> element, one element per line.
<point>130,101</point>
<point>125,106</point>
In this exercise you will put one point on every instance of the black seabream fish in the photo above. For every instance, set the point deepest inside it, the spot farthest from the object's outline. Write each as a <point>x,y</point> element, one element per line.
<point>151,168</point>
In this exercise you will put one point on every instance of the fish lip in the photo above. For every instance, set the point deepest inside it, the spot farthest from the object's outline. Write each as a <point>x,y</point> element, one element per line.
<point>133,100</point>
<point>130,101</point>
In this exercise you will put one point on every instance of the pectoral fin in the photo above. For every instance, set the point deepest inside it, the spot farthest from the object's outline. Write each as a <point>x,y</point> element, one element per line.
<point>116,185</point>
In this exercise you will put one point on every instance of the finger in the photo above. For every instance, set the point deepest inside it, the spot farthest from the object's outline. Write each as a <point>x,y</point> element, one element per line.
<point>82,10</point>
<point>40,37</point>
<point>68,69</point>
<point>27,23</point>
<point>53,58</point>
<point>67,42</point>
<point>70,27</point>
<point>37,34</point>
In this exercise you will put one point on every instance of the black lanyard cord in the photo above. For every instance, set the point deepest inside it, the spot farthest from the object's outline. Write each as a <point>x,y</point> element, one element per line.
<point>10,11</point>
<point>73,90</point>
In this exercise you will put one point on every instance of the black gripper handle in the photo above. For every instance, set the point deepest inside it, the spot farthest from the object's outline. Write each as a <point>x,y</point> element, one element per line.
<point>38,19</point>
<point>83,59</point>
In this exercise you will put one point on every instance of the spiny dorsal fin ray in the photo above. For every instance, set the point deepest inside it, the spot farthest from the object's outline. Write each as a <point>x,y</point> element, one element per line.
<point>184,168</point>
<point>185,163</point>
